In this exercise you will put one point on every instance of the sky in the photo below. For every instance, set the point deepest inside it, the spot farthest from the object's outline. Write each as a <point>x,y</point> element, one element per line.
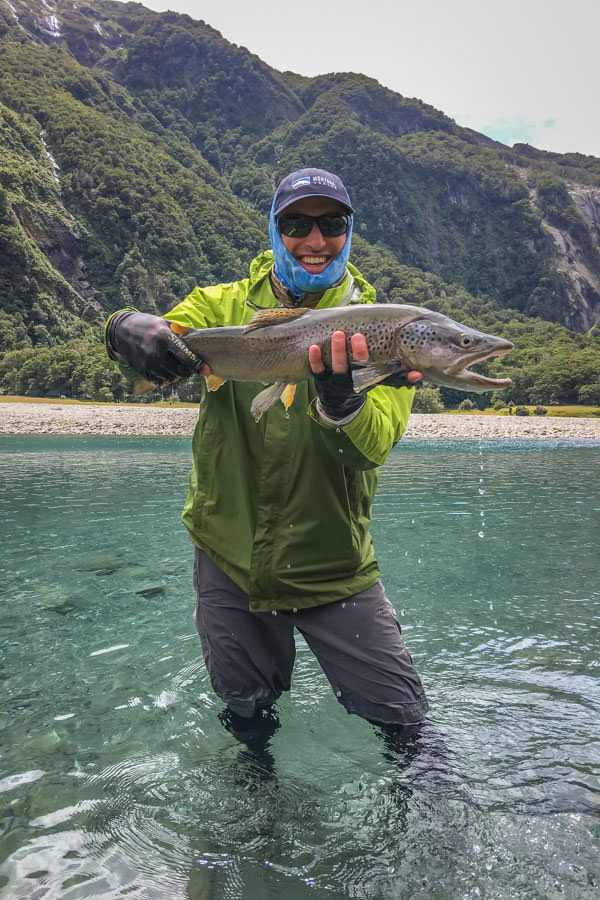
<point>517,70</point>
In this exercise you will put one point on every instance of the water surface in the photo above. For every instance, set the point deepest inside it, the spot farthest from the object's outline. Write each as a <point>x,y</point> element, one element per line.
<point>117,779</point>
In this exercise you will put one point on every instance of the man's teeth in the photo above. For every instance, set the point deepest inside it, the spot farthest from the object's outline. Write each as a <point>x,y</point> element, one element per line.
<point>314,260</point>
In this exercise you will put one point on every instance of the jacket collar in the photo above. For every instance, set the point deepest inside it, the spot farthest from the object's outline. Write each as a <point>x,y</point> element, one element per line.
<point>261,296</point>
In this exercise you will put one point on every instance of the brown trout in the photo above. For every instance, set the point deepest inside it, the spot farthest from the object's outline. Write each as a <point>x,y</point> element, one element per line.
<point>273,347</point>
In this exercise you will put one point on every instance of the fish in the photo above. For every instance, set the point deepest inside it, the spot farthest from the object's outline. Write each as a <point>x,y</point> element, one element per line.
<point>273,348</point>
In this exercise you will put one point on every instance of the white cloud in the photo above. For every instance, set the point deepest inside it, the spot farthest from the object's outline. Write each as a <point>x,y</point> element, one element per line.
<point>483,62</point>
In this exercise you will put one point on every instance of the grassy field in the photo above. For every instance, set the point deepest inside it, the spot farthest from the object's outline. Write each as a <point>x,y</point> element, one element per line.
<point>66,401</point>
<point>575,412</point>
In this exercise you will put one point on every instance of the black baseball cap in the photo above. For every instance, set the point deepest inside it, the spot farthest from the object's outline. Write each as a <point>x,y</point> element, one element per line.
<point>310,183</point>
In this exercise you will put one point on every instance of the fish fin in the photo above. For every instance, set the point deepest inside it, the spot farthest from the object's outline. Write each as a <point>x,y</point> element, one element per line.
<point>176,328</point>
<point>266,399</point>
<point>213,382</point>
<point>287,397</point>
<point>276,316</point>
<point>140,385</point>
<point>367,376</point>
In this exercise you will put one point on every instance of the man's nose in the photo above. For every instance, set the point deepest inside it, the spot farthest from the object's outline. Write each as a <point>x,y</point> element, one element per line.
<point>314,238</point>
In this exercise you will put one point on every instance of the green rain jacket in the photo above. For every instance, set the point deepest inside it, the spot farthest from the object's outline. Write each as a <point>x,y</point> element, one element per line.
<point>283,506</point>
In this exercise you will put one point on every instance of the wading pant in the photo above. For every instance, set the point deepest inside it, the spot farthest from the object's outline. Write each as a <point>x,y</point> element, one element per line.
<point>358,643</point>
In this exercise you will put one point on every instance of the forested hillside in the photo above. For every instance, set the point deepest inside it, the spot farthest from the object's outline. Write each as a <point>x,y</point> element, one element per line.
<point>138,156</point>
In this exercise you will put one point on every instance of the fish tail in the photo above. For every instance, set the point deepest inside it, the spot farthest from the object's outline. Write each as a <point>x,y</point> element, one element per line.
<point>140,385</point>
<point>267,398</point>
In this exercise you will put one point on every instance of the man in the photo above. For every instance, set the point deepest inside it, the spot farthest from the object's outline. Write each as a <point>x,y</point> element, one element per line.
<point>279,511</point>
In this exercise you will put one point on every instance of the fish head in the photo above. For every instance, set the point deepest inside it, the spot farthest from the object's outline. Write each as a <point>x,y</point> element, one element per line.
<point>443,349</point>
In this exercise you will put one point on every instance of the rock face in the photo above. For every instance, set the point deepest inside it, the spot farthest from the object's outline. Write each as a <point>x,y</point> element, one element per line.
<point>587,201</point>
<point>584,278</point>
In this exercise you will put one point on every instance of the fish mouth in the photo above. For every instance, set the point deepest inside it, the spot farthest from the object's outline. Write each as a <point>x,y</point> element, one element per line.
<point>459,371</point>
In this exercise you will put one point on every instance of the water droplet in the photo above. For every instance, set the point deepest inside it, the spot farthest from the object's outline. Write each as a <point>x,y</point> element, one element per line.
<point>289,565</point>
<point>419,560</point>
<point>340,450</point>
<point>338,693</point>
<point>295,609</point>
<point>481,534</point>
<point>273,612</point>
<point>344,605</point>
<point>356,635</point>
<point>291,526</point>
<point>480,490</point>
<point>491,605</point>
<point>402,612</point>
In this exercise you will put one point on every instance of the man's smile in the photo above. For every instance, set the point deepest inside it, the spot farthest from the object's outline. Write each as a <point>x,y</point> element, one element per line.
<point>314,262</point>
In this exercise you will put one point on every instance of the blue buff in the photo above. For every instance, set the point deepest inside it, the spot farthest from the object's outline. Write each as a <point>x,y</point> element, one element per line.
<point>294,277</point>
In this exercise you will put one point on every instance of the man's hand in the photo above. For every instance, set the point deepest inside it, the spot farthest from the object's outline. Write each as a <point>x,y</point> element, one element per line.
<point>334,385</point>
<point>402,379</point>
<point>148,345</point>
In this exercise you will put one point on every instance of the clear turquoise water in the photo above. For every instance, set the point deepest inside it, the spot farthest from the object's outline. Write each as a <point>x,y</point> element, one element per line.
<point>116,779</point>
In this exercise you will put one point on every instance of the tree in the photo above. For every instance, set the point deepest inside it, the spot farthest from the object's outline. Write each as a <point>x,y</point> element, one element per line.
<point>589,394</point>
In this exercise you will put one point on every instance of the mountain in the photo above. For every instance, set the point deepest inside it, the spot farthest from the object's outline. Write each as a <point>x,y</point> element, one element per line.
<point>140,150</point>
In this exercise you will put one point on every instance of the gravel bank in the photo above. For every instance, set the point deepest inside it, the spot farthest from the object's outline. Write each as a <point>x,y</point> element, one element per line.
<point>57,418</point>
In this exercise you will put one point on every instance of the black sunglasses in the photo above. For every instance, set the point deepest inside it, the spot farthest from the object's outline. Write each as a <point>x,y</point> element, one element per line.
<point>299,226</point>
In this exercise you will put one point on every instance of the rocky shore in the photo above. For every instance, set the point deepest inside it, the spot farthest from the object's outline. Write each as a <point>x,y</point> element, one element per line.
<point>65,418</point>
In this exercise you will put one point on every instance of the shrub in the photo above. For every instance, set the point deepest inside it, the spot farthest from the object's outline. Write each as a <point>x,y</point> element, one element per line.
<point>589,394</point>
<point>428,400</point>
<point>467,405</point>
<point>521,411</point>
<point>540,411</point>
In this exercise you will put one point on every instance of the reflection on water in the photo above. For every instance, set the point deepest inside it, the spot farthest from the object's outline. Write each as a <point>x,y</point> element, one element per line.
<point>116,777</point>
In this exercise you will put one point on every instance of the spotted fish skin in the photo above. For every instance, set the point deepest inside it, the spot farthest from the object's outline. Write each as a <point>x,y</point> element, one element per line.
<point>399,337</point>
<point>273,347</point>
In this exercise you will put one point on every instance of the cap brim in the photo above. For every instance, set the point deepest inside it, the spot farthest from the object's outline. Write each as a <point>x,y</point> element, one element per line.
<point>303,195</point>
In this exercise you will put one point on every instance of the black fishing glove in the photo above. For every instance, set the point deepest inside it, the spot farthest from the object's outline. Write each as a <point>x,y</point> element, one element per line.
<point>336,393</point>
<point>398,380</point>
<point>147,344</point>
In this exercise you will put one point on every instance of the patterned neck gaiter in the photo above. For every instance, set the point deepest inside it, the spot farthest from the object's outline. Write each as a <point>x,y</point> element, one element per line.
<point>293,276</point>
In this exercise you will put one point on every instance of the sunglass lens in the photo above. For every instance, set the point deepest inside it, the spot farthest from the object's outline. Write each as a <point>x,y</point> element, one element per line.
<point>300,226</point>
<point>295,226</point>
<point>333,226</point>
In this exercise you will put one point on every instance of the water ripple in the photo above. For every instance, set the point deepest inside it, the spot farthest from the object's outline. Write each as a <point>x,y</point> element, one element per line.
<point>118,778</point>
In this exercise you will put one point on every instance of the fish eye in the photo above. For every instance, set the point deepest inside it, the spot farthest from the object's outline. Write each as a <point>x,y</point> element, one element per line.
<point>465,340</point>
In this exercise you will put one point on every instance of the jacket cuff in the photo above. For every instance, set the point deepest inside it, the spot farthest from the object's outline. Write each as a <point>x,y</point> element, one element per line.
<point>111,351</point>
<point>339,444</point>
<point>326,420</point>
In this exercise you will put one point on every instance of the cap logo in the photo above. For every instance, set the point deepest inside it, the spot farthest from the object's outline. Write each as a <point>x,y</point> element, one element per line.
<point>321,179</point>
<point>299,182</point>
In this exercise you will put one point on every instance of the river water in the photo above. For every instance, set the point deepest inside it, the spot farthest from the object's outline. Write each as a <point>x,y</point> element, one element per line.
<point>117,778</point>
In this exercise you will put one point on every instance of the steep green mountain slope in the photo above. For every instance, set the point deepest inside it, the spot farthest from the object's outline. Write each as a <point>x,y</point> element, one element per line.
<point>138,156</point>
